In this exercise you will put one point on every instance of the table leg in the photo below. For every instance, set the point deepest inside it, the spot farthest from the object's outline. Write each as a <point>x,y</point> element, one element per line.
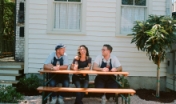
<point>43,97</point>
<point>123,82</point>
<point>43,93</point>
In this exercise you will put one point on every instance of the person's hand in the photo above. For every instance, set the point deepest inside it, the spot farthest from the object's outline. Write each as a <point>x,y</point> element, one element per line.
<point>105,69</point>
<point>75,68</point>
<point>113,69</point>
<point>55,68</point>
<point>86,68</point>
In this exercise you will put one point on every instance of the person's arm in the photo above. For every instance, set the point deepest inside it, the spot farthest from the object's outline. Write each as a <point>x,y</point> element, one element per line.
<point>47,64</point>
<point>96,67</point>
<point>72,67</point>
<point>116,65</point>
<point>89,64</point>
<point>117,69</point>
<point>50,67</point>
<point>88,67</point>
<point>63,67</point>
<point>65,63</point>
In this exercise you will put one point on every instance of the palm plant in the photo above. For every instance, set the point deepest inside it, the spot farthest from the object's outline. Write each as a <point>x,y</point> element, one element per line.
<point>155,36</point>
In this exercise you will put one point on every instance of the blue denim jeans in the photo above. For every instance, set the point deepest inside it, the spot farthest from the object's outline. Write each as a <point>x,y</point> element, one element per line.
<point>59,78</point>
<point>105,81</point>
<point>80,82</point>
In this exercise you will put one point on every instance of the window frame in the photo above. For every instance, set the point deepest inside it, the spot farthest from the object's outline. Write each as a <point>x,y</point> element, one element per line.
<point>51,19</point>
<point>118,15</point>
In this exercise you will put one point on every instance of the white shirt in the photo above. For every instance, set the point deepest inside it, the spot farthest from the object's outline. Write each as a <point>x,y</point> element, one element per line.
<point>50,58</point>
<point>114,61</point>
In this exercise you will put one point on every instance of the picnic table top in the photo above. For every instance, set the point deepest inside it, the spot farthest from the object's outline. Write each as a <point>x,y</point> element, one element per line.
<point>83,72</point>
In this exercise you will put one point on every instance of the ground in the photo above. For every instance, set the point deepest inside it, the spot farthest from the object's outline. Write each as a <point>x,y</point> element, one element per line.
<point>142,95</point>
<point>165,97</point>
<point>70,100</point>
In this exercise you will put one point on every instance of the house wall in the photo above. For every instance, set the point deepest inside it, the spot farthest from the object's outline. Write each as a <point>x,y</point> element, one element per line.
<point>100,29</point>
<point>174,6</point>
<point>19,44</point>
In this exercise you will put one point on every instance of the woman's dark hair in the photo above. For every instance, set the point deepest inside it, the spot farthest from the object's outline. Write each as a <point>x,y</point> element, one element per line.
<point>87,51</point>
<point>109,47</point>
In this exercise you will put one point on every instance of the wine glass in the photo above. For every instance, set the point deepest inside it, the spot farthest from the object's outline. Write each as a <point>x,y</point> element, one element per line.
<point>76,65</point>
<point>108,65</point>
<point>58,64</point>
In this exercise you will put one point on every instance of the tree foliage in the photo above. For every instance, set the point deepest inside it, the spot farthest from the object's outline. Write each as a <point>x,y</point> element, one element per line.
<point>155,36</point>
<point>7,25</point>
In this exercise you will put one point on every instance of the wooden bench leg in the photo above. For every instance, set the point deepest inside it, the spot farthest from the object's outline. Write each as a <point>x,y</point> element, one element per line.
<point>122,100</point>
<point>128,98</point>
<point>43,97</point>
<point>116,98</point>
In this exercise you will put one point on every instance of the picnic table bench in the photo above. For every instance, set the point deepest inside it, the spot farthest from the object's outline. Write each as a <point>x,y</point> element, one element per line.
<point>46,81</point>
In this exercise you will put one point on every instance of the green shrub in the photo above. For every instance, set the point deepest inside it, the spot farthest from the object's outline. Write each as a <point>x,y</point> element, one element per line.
<point>7,20</point>
<point>31,83</point>
<point>8,94</point>
<point>124,83</point>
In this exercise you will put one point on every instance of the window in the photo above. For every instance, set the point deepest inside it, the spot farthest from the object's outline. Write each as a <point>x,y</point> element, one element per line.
<point>66,16</point>
<point>131,11</point>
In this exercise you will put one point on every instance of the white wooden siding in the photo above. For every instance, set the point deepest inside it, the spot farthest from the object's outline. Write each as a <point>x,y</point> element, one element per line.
<point>171,82</point>
<point>159,7</point>
<point>100,29</point>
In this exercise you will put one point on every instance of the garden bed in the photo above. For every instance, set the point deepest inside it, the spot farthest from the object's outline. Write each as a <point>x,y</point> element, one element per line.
<point>149,95</point>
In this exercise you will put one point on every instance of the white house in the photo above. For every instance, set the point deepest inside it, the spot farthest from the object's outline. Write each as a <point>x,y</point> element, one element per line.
<point>92,23</point>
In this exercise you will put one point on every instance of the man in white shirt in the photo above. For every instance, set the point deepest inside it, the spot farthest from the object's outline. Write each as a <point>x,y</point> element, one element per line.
<point>57,57</point>
<point>106,63</point>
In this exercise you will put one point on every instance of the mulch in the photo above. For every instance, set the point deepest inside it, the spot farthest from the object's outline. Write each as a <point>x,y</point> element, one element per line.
<point>29,93</point>
<point>149,95</point>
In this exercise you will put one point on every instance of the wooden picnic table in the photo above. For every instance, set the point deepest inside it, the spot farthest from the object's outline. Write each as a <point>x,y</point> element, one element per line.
<point>84,72</point>
<point>46,81</point>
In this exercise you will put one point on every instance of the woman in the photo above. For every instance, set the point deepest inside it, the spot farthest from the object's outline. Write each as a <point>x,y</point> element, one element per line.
<point>81,62</point>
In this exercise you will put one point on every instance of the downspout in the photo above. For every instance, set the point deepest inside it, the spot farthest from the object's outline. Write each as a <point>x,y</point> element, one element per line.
<point>174,84</point>
<point>15,29</point>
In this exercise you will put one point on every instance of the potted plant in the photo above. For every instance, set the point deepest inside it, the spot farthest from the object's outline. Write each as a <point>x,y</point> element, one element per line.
<point>155,36</point>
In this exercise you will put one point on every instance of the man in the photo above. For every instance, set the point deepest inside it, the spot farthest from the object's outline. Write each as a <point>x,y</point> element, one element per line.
<point>106,63</point>
<point>60,57</point>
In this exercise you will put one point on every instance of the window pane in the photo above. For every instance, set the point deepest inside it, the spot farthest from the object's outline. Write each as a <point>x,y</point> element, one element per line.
<point>127,2</point>
<point>140,2</point>
<point>129,15</point>
<point>74,16</point>
<point>67,16</point>
<point>61,16</point>
<point>74,0</point>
